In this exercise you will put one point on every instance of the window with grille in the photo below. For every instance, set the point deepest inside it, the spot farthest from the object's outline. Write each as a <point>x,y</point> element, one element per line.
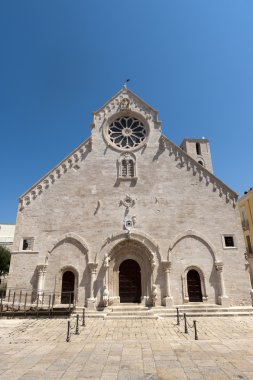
<point>27,244</point>
<point>228,241</point>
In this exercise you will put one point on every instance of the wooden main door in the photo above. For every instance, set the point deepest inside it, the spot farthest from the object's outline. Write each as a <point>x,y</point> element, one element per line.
<point>194,286</point>
<point>68,287</point>
<point>130,282</point>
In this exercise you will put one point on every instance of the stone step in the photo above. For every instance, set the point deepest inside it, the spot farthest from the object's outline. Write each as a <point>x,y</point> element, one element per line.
<point>137,314</point>
<point>206,306</point>
<point>110,316</point>
<point>207,310</point>
<point>128,309</point>
<point>133,311</point>
<point>207,314</point>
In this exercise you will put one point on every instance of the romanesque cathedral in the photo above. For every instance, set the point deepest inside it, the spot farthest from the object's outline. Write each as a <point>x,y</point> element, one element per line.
<point>130,217</point>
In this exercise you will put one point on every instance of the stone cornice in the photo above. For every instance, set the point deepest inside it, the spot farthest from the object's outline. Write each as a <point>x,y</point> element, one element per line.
<point>24,252</point>
<point>71,161</point>
<point>187,161</point>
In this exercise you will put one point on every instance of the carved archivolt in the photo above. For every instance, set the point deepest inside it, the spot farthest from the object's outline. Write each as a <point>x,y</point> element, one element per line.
<point>74,237</point>
<point>135,235</point>
<point>194,234</point>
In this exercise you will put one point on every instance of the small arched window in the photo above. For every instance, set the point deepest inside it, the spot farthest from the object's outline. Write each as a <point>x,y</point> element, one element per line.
<point>201,163</point>
<point>127,167</point>
<point>198,149</point>
<point>124,168</point>
<point>131,168</point>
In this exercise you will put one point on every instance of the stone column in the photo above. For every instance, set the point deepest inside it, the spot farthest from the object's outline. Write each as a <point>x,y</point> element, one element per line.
<point>91,301</point>
<point>222,298</point>
<point>168,299</point>
<point>106,285</point>
<point>153,289</point>
<point>41,269</point>
<point>249,258</point>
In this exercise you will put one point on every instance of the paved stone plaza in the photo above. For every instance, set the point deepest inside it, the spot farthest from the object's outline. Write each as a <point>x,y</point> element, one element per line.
<point>127,349</point>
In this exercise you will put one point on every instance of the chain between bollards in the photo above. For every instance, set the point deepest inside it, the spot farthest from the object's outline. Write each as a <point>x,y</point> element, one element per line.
<point>186,324</point>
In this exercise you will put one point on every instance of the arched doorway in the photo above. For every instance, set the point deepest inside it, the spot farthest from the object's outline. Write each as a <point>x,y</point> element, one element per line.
<point>194,286</point>
<point>129,282</point>
<point>68,287</point>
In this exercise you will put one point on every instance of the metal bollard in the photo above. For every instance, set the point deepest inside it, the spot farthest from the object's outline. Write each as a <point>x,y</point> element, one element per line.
<point>25,304</point>
<point>68,332</point>
<point>195,330</point>
<point>185,325</point>
<point>83,323</point>
<point>49,304</point>
<point>37,306</point>
<point>20,299</point>
<point>69,302</point>
<point>13,304</point>
<point>77,325</point>
<point>178,317</point>
<point>53,301</point>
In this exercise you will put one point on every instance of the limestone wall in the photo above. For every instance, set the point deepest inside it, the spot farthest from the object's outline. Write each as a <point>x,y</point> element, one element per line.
<point>170,196</point>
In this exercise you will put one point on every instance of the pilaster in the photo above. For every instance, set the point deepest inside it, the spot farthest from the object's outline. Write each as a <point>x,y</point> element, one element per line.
<point>168,299</point>
<point>91,301</point>
<point>222,298</point>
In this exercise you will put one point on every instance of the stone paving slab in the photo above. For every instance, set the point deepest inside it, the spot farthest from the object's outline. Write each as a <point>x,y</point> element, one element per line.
<point>127,349</point>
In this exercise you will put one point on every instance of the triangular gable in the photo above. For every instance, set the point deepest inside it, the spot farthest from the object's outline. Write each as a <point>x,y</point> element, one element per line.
<point>126,91</point>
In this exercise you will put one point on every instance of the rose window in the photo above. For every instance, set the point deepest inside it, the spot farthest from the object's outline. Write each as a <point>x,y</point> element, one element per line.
<point>127,132</point>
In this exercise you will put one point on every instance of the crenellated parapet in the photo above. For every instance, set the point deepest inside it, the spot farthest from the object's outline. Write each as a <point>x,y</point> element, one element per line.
<point>187,162</point>
<point>70,162</point>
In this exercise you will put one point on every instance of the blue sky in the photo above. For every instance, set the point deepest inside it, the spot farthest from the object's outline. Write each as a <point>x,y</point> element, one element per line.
<point>60,60</point>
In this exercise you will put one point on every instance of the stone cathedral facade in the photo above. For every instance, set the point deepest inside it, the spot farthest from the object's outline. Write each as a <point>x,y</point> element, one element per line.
<point>130,217</point>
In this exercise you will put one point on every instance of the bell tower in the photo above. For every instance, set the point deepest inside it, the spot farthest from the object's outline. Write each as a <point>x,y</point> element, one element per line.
<point>199,149</point>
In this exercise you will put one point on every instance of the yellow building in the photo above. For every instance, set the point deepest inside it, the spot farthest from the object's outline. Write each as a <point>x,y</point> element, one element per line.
<point>246,212</point>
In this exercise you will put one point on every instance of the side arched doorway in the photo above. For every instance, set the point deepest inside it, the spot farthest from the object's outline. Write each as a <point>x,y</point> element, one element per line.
<point>68,287</point>
<point>129,282</point>
<point>194,286</point>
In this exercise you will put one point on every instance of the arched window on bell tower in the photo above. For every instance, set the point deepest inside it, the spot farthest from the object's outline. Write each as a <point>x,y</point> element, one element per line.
<point>198,149</point>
